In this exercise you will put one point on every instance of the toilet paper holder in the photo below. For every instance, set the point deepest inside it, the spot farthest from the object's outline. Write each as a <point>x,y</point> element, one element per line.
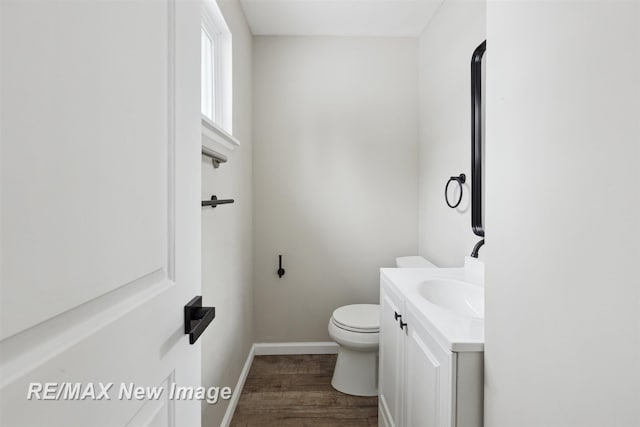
<point>280,269</point>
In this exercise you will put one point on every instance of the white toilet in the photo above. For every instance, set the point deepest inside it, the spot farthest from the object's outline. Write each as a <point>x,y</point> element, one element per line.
<point>356,329</point>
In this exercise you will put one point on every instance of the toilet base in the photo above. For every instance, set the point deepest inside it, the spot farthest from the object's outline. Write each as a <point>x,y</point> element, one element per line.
<point>356,372</point>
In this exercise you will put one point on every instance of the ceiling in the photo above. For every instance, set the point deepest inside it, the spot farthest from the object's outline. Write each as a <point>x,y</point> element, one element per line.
<point>382,18</point>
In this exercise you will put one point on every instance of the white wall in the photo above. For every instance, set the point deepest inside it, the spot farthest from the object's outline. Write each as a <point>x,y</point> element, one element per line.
<point>226,234</point>
<point>335,175</point>
<point>563,145</point>
<point>446,45</point>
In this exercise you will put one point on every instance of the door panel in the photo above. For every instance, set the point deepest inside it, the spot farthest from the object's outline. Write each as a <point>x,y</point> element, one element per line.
<point>84,171</point>
<point>423,384</point>
<point>430,378</point>
<point>391,345</point>
<point>100,187</point>
<point>155,413</point>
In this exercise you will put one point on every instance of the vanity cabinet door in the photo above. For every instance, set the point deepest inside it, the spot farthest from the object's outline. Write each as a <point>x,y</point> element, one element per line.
<point>429,379</point>
<point>391,357</point>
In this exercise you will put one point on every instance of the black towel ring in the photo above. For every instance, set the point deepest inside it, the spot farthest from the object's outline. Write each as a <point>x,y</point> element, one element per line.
<point>461,180</point>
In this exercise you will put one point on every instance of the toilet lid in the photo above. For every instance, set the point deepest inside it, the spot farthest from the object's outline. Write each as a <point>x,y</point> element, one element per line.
<point>362,317</point>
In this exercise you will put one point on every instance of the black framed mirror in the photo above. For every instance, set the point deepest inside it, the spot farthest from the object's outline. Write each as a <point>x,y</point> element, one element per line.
<point>477,121</point>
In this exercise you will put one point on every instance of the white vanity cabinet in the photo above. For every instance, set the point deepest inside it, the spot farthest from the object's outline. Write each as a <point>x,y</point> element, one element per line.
<point>421,382</point>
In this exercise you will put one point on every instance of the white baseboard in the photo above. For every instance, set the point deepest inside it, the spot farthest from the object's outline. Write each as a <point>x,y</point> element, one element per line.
<point>275,348</point>
<point>383,415</point>
<point>235,397</point>
<point>272,348</point>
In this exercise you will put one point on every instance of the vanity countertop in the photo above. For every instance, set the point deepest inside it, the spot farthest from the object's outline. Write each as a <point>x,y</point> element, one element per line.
<point>456,332</point>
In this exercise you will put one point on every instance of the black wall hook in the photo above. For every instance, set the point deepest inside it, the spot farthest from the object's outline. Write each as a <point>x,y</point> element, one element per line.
<point>280,269</point>
<point>460,179</point>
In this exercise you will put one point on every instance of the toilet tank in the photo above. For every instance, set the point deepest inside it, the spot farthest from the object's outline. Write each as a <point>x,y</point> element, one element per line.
<point>413,262</point>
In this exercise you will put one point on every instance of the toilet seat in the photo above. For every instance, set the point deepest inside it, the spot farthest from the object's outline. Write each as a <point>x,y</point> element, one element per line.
<point>359,318</point>
<point>357,341</point>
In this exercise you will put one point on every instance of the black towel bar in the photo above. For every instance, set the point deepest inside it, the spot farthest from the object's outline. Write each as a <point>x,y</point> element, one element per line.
<point>215,202</point>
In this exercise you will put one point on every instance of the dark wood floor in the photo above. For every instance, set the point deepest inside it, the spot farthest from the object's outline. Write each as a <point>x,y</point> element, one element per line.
<point>296,391</point>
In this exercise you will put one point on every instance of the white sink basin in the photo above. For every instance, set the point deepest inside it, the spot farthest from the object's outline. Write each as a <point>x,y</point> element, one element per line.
<point>457,296</point>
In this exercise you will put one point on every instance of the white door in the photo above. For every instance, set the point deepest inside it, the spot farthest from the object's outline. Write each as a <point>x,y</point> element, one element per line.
<point>100,217</point>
